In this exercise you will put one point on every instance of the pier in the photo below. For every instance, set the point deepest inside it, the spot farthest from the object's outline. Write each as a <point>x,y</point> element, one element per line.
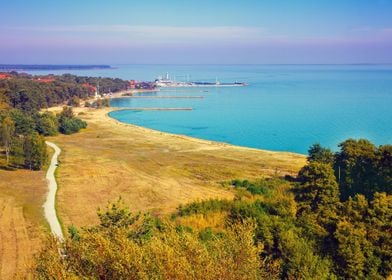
<point>154,109</point>
<point>168,97</point>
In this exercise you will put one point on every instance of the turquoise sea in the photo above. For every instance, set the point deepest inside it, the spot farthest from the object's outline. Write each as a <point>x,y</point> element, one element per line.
<point>284,108</point>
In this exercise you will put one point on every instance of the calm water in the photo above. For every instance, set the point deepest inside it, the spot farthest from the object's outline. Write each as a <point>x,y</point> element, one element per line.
<point>285,107</point>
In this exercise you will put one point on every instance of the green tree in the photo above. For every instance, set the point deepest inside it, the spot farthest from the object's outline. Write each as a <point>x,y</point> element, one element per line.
<point>320,154</point>
<point>48,124</point>
<point>318,187</point>
<point>7,130</point>
<point>17,151</point>
<point>302,262</point>
<point>356,168</point>
<point>384,169</point>
<point>35,151</point>
<point>351,250</point>
<point>24,122</point>
<point>318,198</point>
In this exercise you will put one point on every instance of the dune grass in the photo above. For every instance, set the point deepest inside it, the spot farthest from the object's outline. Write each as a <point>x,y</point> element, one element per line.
<point>151,170</point>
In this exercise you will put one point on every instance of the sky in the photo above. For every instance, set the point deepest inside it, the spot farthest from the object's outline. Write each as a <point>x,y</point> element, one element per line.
<point>195,32</point>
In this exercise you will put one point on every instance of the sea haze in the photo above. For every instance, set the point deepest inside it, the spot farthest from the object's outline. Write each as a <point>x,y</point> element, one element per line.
<point>284,108</point>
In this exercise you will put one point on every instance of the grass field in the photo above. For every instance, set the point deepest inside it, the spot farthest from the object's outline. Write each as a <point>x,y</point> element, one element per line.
<point>22,225</point>
<point>152,171</point>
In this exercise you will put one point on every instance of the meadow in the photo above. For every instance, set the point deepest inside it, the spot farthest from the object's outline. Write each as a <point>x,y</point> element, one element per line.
<point>152,171</point>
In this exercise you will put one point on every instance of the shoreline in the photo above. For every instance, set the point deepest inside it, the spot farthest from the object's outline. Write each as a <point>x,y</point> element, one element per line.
<point>186,137</point>
<point>120,94</point>
<point>153,171</point>
<point>109,118</point>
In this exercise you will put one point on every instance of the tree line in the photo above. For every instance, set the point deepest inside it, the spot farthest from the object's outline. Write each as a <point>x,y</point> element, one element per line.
<point>31,93</point>
<point>315,227</point>
<point>22,135</point>
<point>22,123</point>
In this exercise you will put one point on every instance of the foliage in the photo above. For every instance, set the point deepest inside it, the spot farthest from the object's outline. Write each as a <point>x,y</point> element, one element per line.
<point>261,187</point>
<point>47,124</point>
<point>320,154</point>
<point>116,215</point>
<point>21,98</point>
<point>35,152</point>
<point>359,166</point>
<point>100,103</point>
<point>24,122</point>
<point>355,164</point>
<point>279,230</point>
<point>7,130</point>
<point>74,101</point>
<point>32,93</point>
<point>203,207</point>
<point>110,252</point>
<point>68,123</point>
<point>318,188</point>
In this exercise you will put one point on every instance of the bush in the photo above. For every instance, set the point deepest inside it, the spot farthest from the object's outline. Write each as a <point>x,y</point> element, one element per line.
<point>70,126</point>
<point>68,123</point>
<point>112,251</point>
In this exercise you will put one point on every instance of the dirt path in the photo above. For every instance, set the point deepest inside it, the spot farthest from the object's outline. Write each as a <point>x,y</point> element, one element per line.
<point>49,206</point>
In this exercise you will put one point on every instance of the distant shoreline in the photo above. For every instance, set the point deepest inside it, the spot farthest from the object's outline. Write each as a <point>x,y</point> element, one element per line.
<point>37,67</point>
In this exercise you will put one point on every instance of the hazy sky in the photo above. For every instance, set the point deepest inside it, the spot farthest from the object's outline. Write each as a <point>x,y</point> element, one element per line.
<point>186,31</point>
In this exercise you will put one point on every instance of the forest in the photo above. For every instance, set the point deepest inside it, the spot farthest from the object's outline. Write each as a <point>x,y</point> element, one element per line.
<point>332,221</point>
<point>24,124</point>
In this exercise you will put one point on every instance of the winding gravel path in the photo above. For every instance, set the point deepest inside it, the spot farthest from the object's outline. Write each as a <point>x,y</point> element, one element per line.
<point>49,205</point>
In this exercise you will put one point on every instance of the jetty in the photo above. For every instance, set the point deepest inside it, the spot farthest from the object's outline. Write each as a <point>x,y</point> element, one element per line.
<point>154,109</point>
<point>163,97</point>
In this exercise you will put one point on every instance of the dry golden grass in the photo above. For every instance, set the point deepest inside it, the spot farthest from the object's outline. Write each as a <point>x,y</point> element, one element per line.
<point>151,170</point>
<point>22,225</point>
<point>214,220</point>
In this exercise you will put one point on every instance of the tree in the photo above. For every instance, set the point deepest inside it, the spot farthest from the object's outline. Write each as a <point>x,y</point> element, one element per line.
<point>318,187</point>
<point>6,135</point>
<point>35,151</point>
<point>384,169</point>
<point>355,168</point>
<point>319,154</point>
<point>351,250</point>
<point>74,101</point>
<point>24,122</point>
<point>66,113</point>
<point>318,197</point>
<point>48,124</point>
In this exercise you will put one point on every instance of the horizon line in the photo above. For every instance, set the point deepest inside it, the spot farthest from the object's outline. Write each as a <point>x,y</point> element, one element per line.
<point>114,64</point>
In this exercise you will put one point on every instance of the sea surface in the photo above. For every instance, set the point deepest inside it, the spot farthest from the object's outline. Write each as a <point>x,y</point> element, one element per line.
<point>284,108</point>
